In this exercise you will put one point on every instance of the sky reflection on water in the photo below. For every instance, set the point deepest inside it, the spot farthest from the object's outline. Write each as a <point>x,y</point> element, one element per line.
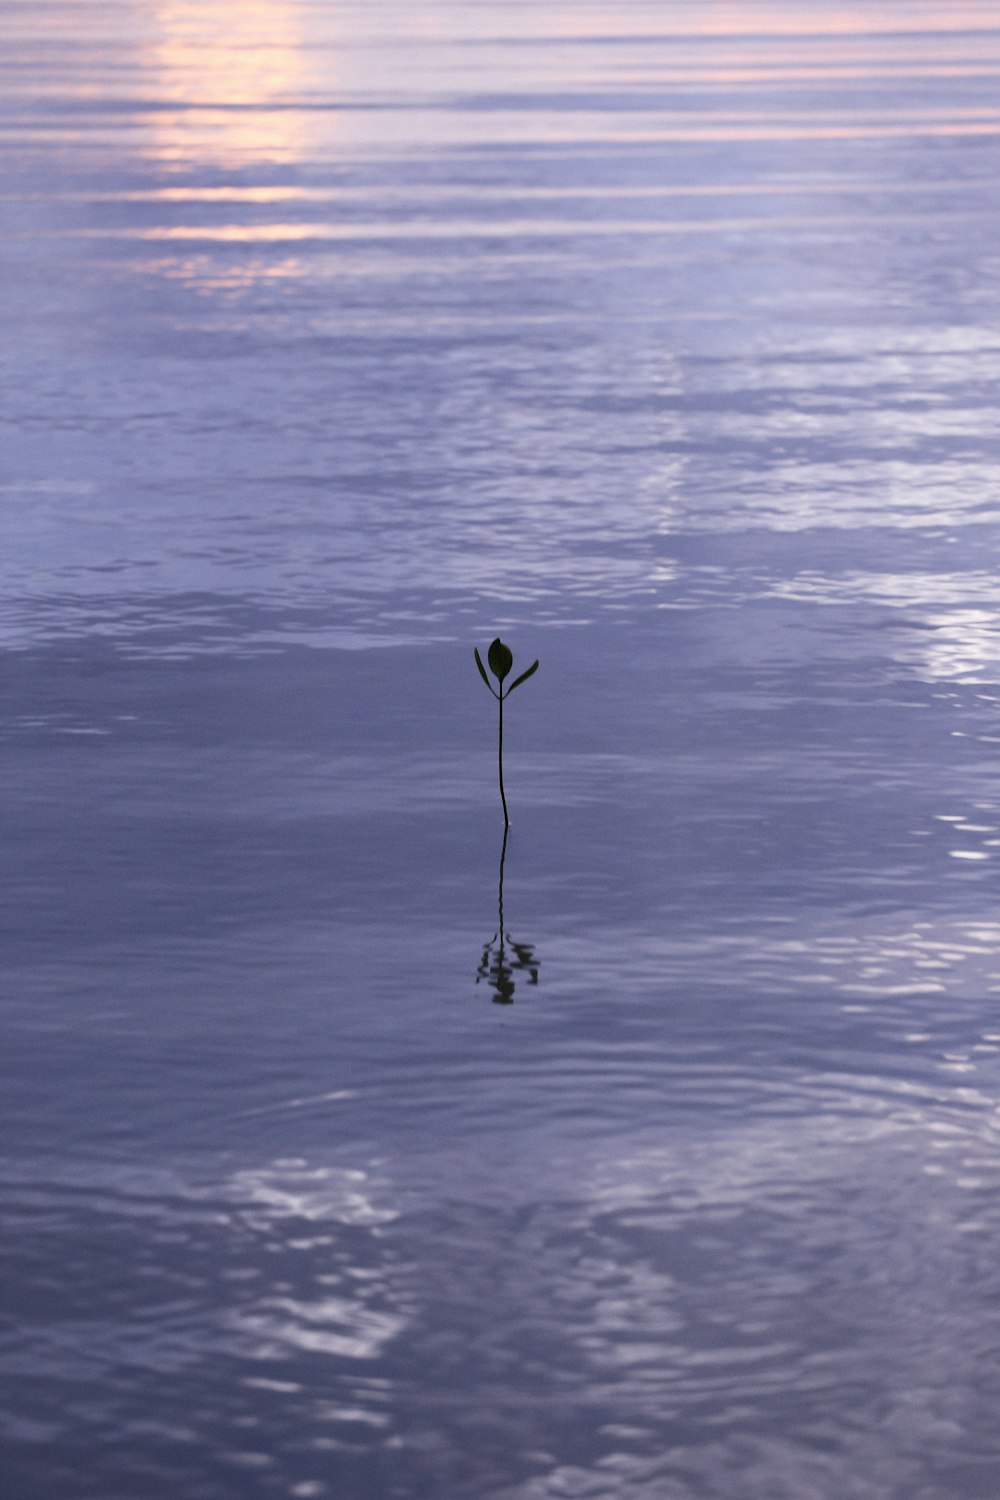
<point>663,343</point>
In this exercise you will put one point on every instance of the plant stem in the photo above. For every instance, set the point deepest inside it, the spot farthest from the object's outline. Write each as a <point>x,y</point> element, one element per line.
<point>503,799</point>
<point>503,856</point>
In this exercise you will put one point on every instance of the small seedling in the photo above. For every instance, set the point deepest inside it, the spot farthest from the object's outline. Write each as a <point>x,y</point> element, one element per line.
<point>501,659</point>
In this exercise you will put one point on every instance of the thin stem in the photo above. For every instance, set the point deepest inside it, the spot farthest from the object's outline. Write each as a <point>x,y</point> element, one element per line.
<point>503,856</point>
<point>503,799</point>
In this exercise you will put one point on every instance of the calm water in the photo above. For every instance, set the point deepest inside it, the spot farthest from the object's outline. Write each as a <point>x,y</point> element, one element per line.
<point>663,338</point>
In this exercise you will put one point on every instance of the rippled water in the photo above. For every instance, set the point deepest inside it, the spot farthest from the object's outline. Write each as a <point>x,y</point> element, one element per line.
<point>664,340</point>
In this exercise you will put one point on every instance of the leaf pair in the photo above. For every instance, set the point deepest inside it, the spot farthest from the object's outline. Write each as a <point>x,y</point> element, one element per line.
<point>501,660</point>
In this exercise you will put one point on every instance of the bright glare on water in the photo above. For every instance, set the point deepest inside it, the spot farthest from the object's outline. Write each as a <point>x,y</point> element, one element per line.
<point>661,339</point>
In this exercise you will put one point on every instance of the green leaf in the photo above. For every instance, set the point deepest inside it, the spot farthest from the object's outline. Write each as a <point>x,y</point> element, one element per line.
<point>482,669</point>
<point>523,677</point>
<point>500,658</point>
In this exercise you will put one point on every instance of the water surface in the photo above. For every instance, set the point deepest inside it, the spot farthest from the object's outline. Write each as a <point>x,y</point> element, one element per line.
<point>338,339</point>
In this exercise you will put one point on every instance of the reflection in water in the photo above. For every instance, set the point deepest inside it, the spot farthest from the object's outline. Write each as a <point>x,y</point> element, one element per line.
<point>232,75</point>
<point>502,955</point>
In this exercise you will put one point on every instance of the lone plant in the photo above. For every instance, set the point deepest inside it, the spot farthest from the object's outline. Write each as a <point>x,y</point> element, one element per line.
<point>501,659</point>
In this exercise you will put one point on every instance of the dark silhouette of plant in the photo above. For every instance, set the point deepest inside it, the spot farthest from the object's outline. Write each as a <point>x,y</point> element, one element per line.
<point>503,956</point>
<point>501,659</point>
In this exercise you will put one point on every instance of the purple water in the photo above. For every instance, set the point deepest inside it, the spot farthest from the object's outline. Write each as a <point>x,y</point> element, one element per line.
<point>663,340</point>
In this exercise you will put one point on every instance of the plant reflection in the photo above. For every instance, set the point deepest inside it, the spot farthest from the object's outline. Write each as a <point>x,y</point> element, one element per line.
<point>503,956</point>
